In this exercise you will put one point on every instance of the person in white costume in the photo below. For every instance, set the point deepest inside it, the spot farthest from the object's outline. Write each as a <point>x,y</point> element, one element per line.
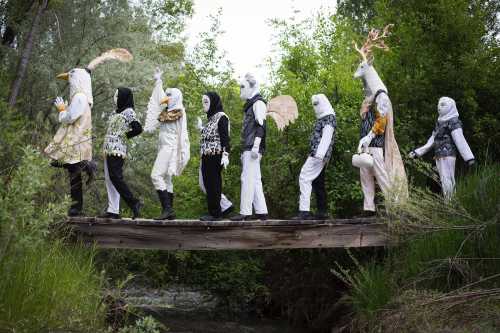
<point>446,139</point>
<point>253,142</point>
<point>377,133</point>
<point>312,174</point>
<point>173,141</point>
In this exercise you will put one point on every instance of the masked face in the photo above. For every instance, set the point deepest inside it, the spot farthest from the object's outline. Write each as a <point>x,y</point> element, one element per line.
<point>321,105</point>
<point>248,87</point>
<point>315,103</point>
<point>115,98</point>
<point>205,101</point>
<point>444,106</point>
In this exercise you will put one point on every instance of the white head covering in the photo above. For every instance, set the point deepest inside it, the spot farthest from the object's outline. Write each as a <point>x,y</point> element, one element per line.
<point>447,109</point>
<point>175,99</point>
<point>322,106</point>
<point>249,87</point>
<point>80,82</point>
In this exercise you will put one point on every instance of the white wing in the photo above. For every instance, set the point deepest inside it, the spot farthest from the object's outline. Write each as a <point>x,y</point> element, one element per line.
<point>283,109</point>
<point>154,107</point>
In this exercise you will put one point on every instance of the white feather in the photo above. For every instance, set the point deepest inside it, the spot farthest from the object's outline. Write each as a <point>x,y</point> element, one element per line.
<point>114,54</point>
<point>283,109</point>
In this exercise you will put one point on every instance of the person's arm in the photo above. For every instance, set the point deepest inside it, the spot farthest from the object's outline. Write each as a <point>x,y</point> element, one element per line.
<point>259,111</point>
<point>383,108</point>
<point>135,129</point>
<point>223,127</point>
<point>326,139</point>
<point>77,107</point>
<point>462,145</point>
<point>425,148</point>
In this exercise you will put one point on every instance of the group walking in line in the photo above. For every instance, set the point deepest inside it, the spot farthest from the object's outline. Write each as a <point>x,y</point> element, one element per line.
<point>378,157</point>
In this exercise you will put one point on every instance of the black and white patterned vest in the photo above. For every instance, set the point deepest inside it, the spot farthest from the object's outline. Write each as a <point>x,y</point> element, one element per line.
<point>368,121</point>
<point>210,138</point>
<point>443,141</point>
<point>318,133</point>
<point>115,141</point>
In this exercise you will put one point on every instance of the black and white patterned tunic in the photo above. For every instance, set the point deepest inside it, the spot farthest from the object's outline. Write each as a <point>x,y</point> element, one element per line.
<point>115,141</point>
<point>211,141</point>
<point>318,133</point>
<point>443,141</point>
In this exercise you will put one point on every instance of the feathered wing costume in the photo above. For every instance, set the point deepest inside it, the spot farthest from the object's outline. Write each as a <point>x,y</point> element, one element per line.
<point>71,146</point>
<point>173,142</point>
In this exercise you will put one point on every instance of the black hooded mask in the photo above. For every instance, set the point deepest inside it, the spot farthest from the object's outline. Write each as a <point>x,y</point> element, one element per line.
<point>215,104</point>
<point>125,99</point>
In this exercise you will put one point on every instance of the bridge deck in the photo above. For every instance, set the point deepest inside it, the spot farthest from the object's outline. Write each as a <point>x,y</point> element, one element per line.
<point>228,235</point>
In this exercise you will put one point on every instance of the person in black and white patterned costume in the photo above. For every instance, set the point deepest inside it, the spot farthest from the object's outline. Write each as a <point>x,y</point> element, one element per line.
<point>312,174</point>
<point>446,139</point>
<point>214,150</point>
<point>122,125</point>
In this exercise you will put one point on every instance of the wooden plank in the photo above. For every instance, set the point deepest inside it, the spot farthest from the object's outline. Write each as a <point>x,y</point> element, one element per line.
<point>228,235</point>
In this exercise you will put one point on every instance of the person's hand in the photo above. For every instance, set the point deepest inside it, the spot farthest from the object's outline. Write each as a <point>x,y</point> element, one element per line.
<point>225,160</point>
<point>158,73</point>
<point>471,163</point>
<point>255,153</point>
<point>412,154</point>
<point>365,142</point>
<point>199,123</point>
<point>60,104</point>
<point>318,157</point>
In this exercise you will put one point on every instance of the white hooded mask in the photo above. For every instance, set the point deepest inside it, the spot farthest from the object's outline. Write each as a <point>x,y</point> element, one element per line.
<point>205,101</point>
<point>175,99</point>
<point>322,106</point>
<point>249,87</point>
<point>447,109</point>
<point>80,82</point>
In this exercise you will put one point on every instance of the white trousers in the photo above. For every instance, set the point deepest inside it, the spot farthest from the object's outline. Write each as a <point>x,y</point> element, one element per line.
<point>368,176</point>
<point>309,172</point>
<point>161,180</point>
<point>446,169</point>
<point>224,201</point>
<point>252,192</point>
<point>113,195</point>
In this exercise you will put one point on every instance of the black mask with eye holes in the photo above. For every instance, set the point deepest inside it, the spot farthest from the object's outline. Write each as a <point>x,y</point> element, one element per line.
<point>125,99</point>
<point>215,103</point>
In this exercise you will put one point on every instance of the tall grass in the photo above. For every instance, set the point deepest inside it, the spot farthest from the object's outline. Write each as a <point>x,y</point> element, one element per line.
<point>45,285</point>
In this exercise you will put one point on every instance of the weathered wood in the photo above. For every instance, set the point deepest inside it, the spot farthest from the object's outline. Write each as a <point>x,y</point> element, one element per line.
<point>228,235</point>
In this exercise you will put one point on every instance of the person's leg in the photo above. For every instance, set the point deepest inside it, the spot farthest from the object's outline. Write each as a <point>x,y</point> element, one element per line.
<point>368,186</point>
<point>115,169</point>
<point>310,171</point>
<point>211,170</point>
<point>113,195</point>
<point>225,203</point>
<point>76,188</point>
<point>160,167</point>
<point>247,183</point>
<point>379,170</point>
<point>446,169</point>
<point>318,185</point>
<point>259,201</point>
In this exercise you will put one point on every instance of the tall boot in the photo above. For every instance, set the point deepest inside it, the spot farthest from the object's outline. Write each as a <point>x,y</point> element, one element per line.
<point>166,204</point>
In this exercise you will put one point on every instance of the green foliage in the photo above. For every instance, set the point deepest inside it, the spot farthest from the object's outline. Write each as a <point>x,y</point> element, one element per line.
<point>370,287</point>
<point>144,325</point>
<point>44,284</point>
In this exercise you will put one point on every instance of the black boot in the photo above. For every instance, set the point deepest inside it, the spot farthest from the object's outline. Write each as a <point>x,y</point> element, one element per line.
<point>136,209</point>
<point>228,211</point>
<point>108,215</point>
<point>241,217</point>
<point>210,218</point>
<point>166,200</point>
<point>303,215</point>
<point>321,215</point>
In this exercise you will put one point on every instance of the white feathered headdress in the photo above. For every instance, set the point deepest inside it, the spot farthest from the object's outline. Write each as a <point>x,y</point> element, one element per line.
<point>121,55</point>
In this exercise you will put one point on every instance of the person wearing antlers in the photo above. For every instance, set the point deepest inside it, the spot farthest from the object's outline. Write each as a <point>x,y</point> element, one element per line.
<point>166,112</point>
<point>71,147</point>
<point>376,130</point>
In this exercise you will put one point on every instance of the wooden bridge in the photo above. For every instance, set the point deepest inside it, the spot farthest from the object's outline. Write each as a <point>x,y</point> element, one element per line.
<point>229,235</point>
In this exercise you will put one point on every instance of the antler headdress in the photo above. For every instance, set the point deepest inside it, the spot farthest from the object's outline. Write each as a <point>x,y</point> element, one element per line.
<point>374,39</point>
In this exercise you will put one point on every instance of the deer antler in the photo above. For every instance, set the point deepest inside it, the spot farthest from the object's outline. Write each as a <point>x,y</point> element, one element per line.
<point>374,39</point>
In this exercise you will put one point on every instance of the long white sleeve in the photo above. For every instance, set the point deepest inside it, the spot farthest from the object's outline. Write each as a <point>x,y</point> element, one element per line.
<point>462,145</point>
<point>78,105</point>
<point>326,139</point>
<point>425,148</point>
<point>259,111</point>
<point>154,107</point>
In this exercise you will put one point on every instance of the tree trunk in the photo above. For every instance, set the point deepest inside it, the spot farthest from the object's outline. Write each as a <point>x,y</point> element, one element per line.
<point>26,53</point>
